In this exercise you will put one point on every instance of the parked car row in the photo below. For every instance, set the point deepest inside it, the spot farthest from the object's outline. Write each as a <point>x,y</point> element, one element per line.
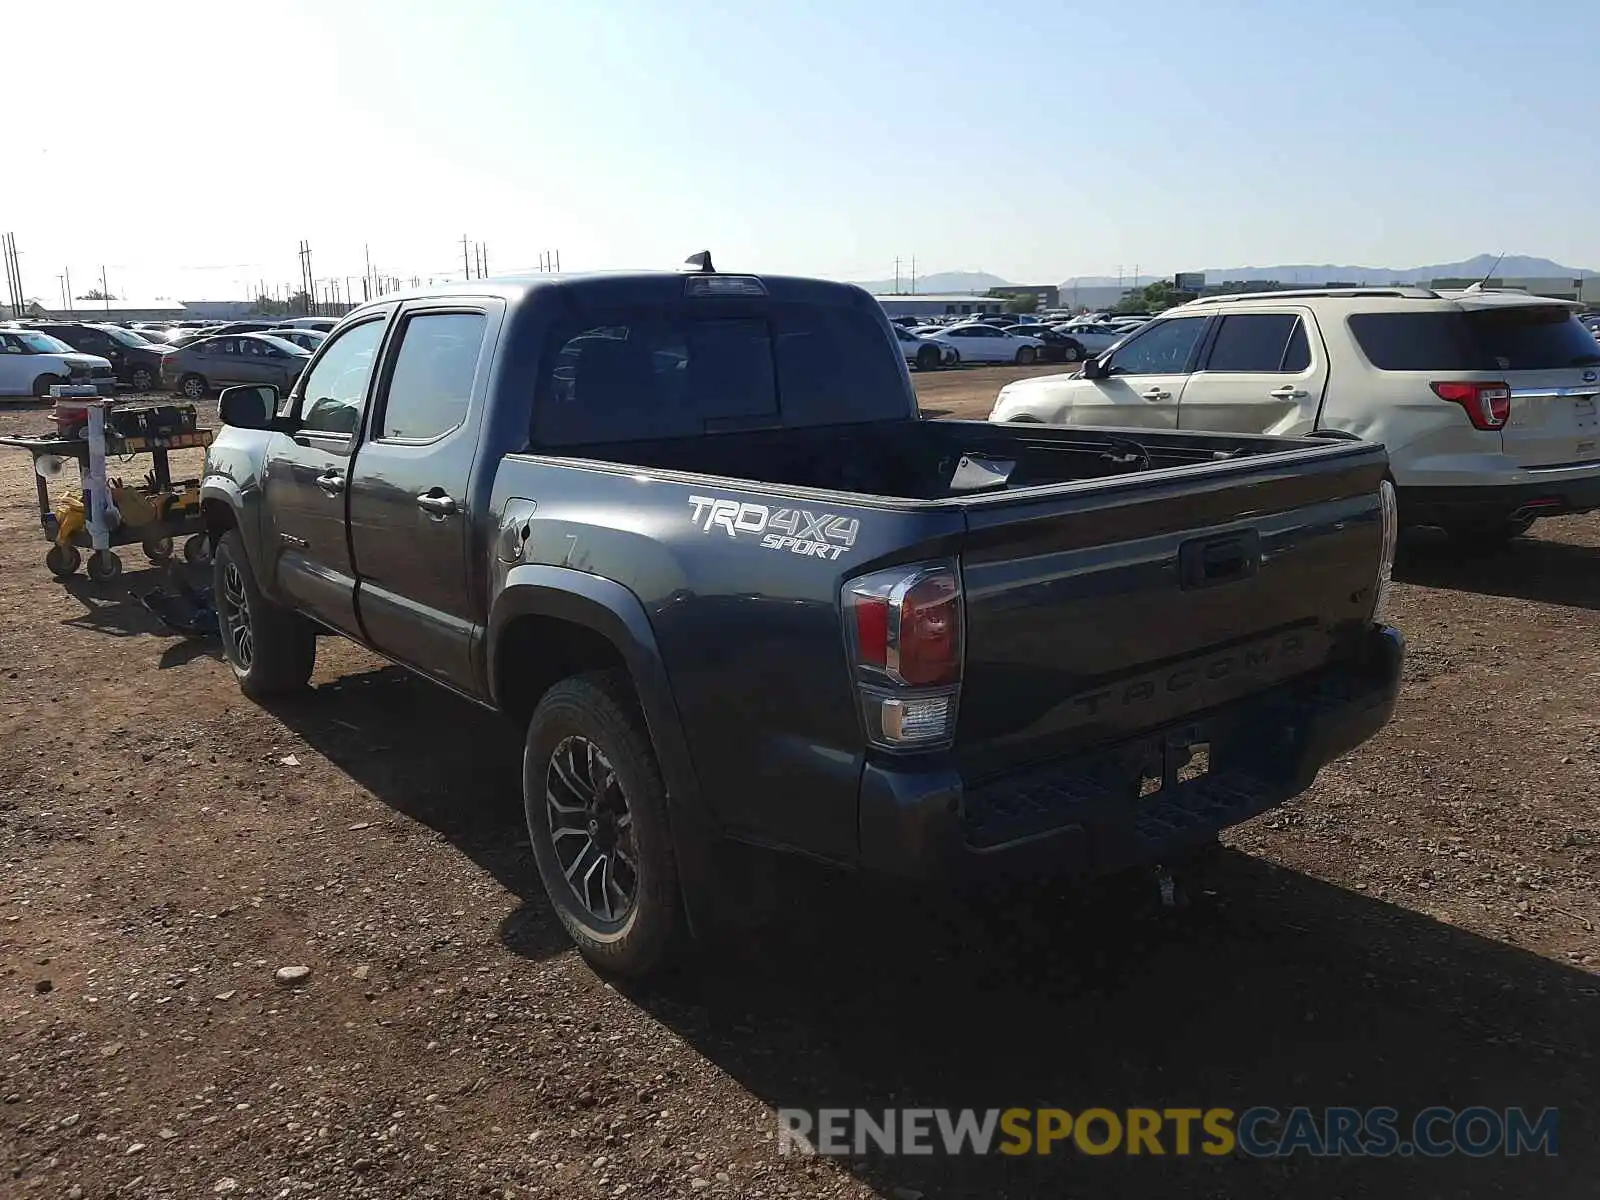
<point>194,361</point>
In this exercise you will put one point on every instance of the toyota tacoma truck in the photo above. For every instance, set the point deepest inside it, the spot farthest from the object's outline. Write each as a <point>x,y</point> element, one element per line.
<point>691,532</point>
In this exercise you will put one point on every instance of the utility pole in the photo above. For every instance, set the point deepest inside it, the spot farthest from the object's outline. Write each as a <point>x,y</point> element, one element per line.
<point>8,255</point>
<point>366,252</point>
<point>484,246</point>
<point>67,274</point>
<point>913,274</point>
<point>466,264</point>
<point>896,274</point>
<point>105,288</point>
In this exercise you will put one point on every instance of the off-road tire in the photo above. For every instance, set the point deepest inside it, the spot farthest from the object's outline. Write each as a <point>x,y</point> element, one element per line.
<point>602,709</point>
<point>282,644</point>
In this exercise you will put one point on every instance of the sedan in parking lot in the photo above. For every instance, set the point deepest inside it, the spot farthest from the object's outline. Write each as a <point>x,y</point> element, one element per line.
<point>1058,346</point>
<point>306,339</point>
<point>978,342</point>
<point>925,352</point>
<point>220,361</point>
<point>1095,339</point>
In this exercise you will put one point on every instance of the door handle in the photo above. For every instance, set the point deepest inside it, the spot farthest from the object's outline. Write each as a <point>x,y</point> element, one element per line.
<point>331,482</point>
<point>1156,394</point>
<point>436,505</point>
<point>1287,393</point>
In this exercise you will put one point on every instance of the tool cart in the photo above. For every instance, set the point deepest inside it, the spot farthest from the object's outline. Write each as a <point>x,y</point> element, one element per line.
<point>153,513</point>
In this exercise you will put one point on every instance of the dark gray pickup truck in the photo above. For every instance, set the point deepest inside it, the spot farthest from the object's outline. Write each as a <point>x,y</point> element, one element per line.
<point>692,532</point>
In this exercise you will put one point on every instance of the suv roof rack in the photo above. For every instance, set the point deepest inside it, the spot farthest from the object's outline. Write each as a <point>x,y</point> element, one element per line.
<point>1399,293</point>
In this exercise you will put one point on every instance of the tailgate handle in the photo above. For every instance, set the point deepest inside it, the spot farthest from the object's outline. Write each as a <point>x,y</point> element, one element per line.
<point>1206,562</point>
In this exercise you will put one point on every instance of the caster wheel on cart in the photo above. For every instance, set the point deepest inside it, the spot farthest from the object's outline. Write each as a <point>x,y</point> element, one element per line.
<point>197,549</point>
<point>158,550</point>
<point>104,566</point>
<point>63,561</point>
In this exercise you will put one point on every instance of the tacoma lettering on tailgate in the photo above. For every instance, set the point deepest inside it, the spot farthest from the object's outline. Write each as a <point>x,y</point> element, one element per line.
<point>797,530</point>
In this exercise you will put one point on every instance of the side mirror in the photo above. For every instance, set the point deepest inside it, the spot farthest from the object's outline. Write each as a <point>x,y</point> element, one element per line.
<point>248,407</point>
<point>1093,368</point>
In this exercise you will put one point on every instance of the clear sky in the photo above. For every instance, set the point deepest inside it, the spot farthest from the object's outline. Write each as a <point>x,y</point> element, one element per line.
<point>191,147</point>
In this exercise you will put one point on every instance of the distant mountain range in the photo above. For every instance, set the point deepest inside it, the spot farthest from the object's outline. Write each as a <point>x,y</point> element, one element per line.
<point>955,282</point>
<point>1513,266</point>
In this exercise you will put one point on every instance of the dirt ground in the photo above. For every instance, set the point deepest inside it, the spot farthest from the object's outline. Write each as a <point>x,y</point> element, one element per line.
<point>1418,929</point>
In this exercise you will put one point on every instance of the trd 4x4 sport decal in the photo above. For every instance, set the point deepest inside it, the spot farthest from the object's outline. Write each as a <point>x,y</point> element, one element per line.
<point>797,530</point>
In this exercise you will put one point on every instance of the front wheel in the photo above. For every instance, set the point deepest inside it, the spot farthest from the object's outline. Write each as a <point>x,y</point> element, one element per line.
<point>1025,356</point>
<point>43,384</point>
<point>597,817</point>
<point>63,561</point>
<point>271,649</point>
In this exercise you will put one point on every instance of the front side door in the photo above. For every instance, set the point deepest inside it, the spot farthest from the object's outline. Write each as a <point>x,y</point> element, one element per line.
<point>1262,372</point>
<point>410,508</point>
<point>1146,378</point>
<point>306,477</point>
<point>260,362</point>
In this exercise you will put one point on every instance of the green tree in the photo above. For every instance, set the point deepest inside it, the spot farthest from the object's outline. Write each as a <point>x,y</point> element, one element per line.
<point>1151,298</point>
<point>1016,302</point>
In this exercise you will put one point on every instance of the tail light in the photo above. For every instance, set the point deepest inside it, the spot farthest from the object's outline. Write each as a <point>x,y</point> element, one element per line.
<point>1488,405</point>
<point>1391,535</point>
<point>904,631</point>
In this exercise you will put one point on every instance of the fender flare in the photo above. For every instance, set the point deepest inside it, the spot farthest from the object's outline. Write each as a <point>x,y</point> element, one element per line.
<point>614,612</point>
<point>221,488</point>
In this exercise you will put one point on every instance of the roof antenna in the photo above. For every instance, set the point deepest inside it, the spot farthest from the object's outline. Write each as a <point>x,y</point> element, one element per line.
<point>1478,287</point>
<point>700,262</point>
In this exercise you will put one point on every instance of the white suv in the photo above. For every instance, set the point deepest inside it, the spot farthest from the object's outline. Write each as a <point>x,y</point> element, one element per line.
<point>1486,400</point>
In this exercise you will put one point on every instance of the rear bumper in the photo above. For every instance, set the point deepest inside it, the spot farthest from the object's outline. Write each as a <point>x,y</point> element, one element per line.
<point>1563,492</point>
<point>1084,815</point>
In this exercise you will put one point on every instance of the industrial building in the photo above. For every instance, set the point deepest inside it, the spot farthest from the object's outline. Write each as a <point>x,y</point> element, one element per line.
<point>950,304</point>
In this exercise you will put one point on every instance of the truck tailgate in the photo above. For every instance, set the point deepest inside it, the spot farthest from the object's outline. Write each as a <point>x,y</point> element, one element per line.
<point>1094,614</point>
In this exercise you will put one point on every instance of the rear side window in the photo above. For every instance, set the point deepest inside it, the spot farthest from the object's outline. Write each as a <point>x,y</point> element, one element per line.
<point>1521,338</point>
<point>433,374</point>
<point>629,376</point>
<point>1270,343</point>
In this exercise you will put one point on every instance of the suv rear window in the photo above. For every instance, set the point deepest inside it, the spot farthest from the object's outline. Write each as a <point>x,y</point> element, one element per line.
<point>629,376</point>
<point>1530,337</point>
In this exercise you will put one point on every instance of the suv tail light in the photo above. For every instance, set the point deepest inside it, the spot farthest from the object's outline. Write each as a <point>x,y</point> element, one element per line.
<point>1488,405</point>
<point>904,628</point>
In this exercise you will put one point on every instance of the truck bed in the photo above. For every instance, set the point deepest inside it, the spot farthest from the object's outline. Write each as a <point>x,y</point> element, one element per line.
<point>936,460</point>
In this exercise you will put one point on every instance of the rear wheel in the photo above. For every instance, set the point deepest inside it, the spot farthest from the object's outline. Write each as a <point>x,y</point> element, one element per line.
<point>142,379</point>
<point>271,649</point>
<point>928,358</point>
<point>597,817</point>
<point>193,387</point>
<point>1071,352</point>
<point>1025,356</point>
<point>104,566</point>
<point>158,549</point>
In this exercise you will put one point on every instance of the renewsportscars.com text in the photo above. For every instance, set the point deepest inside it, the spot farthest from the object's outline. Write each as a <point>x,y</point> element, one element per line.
<point>1258,1132</point>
